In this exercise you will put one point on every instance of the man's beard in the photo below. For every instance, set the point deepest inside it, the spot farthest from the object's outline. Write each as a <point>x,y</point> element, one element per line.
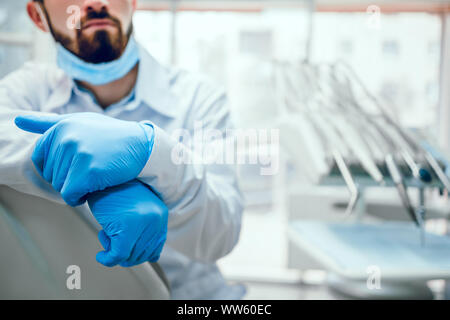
<point>100,47</point>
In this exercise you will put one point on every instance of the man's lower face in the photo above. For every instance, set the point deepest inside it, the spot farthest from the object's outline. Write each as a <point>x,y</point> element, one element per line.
<point>103,45</point>
<point>100,39</point>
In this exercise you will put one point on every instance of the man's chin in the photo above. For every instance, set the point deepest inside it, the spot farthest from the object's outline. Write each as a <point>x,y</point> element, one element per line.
<point>101,47</point>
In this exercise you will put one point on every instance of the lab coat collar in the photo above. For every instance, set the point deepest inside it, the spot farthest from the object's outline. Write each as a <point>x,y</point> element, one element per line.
<point>153,85</point>
<point>152,88</point>
<point>61,88</point>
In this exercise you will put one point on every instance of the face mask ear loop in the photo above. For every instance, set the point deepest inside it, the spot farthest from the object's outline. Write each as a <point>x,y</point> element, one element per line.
<point>43,16</point>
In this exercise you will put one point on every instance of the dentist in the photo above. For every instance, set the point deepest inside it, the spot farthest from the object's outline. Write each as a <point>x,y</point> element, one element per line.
<point>95,130</point>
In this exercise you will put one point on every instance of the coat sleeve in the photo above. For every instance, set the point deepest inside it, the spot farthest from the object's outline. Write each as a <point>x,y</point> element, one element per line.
<point>21,93</point>
<point>201,191</point>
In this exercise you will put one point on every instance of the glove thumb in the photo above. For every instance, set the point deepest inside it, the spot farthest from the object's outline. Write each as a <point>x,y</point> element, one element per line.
<point>38,123</point>
<point>118,251</point>
<point>104,240</point>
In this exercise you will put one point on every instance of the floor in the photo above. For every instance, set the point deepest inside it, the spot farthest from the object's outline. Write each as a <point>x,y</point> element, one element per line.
<point>262,244</point>
<point>259,262</point>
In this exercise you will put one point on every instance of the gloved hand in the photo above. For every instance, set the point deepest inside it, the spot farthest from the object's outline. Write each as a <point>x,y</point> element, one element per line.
<point>134,222</point>
<point>82,153</point>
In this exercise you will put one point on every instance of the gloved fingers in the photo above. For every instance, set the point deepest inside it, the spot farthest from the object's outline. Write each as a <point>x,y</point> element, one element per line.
<point>60,170</point>
<point>72,200</point>
<point>132,260</point>
<point>147,245</point>
<point>53,161</point>
<point>106,258</point>
<point>153,252</point>
<point>104,240</point>
<point>74,190</point>
<point>145,256</point>
<point>157,253</point>
<point>38,123</point>
<point>62,156</point>
<point>145,240</point>
<point>40,153</point>
<point>118,252</point>
<point>149,131</point>
<point>154,258</point>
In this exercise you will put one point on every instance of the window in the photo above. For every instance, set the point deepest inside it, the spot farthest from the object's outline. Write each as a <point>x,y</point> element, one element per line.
<point>390,48</point>
<point>15,39</point>
<point>399,61</point>
<point>236,49</point>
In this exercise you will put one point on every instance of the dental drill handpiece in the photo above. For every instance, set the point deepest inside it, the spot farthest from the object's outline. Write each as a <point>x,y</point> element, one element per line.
<point>419,172</point>
<point>418,169</point>
<point>396,176</point>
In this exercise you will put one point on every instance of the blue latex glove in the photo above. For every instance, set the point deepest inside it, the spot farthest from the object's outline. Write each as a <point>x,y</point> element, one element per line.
<point>134,222</point>
<point>82,153</point>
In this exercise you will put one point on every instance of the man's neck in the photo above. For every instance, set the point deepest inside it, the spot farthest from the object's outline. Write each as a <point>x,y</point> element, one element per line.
<point>113,92</point>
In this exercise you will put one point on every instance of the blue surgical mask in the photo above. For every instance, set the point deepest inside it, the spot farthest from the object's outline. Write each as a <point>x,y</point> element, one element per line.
<point>98,73</point>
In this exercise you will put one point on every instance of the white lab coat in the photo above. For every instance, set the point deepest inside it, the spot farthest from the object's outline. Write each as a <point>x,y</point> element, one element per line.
<point>204,201</point>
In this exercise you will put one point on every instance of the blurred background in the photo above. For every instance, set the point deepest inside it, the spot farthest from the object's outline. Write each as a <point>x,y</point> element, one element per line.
<point>400,49</point>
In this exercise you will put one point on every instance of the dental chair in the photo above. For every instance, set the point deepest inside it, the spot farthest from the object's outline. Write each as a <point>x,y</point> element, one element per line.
<point>41,241</point>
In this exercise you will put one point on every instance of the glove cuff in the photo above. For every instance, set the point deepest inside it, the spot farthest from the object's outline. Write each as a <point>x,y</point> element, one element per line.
<point>150,134</point>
